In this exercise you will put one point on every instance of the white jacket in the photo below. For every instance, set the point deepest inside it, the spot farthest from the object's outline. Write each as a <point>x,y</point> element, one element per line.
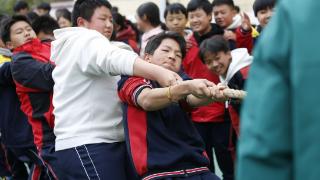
<point>86,106</point>
<point>240,59</point>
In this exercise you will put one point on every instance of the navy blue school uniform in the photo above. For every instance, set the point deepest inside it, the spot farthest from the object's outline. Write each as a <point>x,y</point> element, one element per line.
<point>162,144</point>
<point>31,71</point>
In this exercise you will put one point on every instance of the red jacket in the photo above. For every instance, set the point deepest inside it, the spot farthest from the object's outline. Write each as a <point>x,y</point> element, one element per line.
<point>31,72</point>
<point>194,67</point>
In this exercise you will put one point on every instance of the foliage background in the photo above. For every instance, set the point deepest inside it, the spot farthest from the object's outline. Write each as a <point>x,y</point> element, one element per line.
<point>6,6</point>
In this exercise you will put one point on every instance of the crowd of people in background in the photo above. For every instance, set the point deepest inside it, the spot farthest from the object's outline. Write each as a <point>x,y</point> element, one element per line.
<point>89,94</point>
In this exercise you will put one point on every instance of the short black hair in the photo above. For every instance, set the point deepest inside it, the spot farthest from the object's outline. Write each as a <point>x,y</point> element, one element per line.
<point>86,8</point>
<point>259,5</point>
<point>45,24</point>
<point>45,6</point>
<point>7,23</point>
<point>175,8</point>
<point>223,2</point>
<point>151,11</point>
<point>199,4</point>
<point>155,42</point>
<point>64,12</point>
<point>215,44</point>
<point>32,16</point>
<point>20,5</point>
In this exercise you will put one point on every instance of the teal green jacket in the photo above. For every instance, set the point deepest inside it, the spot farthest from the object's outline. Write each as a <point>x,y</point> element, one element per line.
<point>280,128</point>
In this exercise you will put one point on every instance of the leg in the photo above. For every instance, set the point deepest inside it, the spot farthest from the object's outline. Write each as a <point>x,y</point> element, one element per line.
<point>221,135</point>
<point>93,161</point>
<point>204,130</point>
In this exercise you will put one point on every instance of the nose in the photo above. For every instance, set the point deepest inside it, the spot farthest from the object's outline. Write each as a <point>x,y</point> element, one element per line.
<point>175,21</point>
<point>172,56</point>
<point>26,33</point>
<point>217,15</point>
<point>109,23</point>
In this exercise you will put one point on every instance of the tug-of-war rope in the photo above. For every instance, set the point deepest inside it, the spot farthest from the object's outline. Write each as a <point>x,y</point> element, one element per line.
<point>234,93</point>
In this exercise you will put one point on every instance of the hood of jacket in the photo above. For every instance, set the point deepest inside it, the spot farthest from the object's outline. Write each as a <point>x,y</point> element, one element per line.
<point>240,59</point>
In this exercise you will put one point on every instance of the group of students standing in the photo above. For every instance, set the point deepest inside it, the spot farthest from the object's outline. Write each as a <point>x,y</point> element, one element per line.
<point>159,120</point>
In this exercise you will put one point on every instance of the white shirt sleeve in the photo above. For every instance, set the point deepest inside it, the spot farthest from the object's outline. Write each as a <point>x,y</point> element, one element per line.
<point>101,57</point>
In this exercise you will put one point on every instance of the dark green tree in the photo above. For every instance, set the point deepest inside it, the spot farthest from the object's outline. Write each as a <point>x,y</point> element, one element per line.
<point>6,6</point>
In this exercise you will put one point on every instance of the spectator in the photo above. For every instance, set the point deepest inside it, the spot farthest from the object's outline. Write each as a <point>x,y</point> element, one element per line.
<point>44,26</point>
<point>21,8</point>
<point>148,21</point>
<point>43,9</point>
<point>63,17</point>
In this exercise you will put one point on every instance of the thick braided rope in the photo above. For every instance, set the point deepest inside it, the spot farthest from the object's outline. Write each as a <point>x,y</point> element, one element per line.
<point>233,93</point>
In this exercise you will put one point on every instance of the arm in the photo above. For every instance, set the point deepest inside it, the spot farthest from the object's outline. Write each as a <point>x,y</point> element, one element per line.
<point>154,99</point>
<point>150,71</point>
<point>32,73</point>
<point>216,95</point>
<point>104,58</point>
<point>244,34</point>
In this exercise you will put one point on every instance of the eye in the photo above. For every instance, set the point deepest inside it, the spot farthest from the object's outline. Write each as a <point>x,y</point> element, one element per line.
<point>165,50</point>
<point>19,31</point>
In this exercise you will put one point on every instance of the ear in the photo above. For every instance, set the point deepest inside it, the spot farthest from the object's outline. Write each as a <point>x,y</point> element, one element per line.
<point>81,22</point>
<point>148,57</point>
<point>210,16</point>
<point>144,18</point>
<point>9,45</point>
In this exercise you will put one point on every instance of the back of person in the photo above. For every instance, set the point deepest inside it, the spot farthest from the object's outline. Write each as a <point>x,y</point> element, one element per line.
<point>280,117</point>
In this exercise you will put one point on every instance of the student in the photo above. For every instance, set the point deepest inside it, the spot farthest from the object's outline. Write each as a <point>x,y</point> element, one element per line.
<point>280,116</point>
<point>232,67</point>
<point>162,141</point>
<point>263,10</point>
<point>88,114</point>
<point>238,30</point>
<point>63,18</point>
<point>16,134</point>
<point>31,72</point>
<point>208,119</point>
<point>124,31</point>
<point>21,8</point>
<point>176,18</point>
<point>43,9</point>
<point>43,26</point>
<point>148,21</point>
